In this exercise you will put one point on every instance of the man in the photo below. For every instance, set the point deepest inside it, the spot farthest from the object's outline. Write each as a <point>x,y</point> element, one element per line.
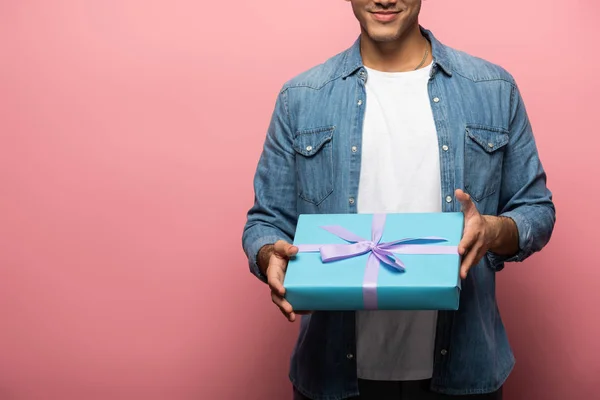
<point>401,123</point>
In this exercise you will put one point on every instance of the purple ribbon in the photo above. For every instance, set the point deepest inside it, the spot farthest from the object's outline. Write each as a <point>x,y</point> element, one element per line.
<point>380,252</point>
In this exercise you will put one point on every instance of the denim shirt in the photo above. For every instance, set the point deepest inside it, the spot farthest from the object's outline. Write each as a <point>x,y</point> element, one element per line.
<point>311,164</point>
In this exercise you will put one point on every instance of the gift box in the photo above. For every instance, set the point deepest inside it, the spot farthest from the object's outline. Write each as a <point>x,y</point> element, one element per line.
<point>376,261</point>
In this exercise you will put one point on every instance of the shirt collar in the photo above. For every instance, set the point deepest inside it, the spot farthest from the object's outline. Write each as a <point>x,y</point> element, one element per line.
<point>353,60</point>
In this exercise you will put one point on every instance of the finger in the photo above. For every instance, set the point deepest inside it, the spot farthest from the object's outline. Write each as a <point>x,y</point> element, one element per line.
<point>285,249</point>
<point>275,275</point>
<point>467,260</point>
<point>467,242</point>
<point>471,259</point>
<point>282,303</point>
<point>284,306</point>
<point>287,316</point>
<point>467,205</point>
<point>466,265</point>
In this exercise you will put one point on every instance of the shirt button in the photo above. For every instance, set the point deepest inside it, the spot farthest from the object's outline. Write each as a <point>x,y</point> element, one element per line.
<point>349,356</point>
<point>490,145</point>
<point>445,148</point>
<point>351,200</point>
<point>436,100</point>
<point>448,199</point>
<point>359,103</point>
<point>354,149</point>
<point>444,352</point>
<point>308,148</point>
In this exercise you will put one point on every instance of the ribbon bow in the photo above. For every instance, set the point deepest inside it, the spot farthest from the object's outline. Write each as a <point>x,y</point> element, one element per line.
<point>379,252</point>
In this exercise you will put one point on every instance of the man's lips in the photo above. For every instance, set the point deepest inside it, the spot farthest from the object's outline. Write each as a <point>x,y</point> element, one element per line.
<point>385,16</point>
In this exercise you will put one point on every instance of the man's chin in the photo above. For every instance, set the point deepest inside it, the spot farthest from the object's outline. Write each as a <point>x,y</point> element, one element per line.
<point>383,37</point>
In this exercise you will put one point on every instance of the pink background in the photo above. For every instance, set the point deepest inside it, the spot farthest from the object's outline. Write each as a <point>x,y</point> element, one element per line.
<point>129,134</point>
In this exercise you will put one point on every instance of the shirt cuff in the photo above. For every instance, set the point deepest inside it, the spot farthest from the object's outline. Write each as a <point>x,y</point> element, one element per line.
<point>525,242</point>
<point>252,254</point>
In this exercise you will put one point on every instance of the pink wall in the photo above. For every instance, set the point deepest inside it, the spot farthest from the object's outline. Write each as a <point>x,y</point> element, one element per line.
<point>121,270</point>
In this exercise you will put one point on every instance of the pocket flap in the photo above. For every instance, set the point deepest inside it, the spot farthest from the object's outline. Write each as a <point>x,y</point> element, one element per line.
<point>489,139</point>
<point>309,142</point>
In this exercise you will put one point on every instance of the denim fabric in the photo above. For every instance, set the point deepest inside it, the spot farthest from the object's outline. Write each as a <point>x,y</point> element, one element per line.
<point>311,164</point>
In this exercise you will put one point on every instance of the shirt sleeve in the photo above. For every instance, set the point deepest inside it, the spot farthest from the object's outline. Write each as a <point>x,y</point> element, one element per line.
<point>524,195</point>
<point>273,215</point>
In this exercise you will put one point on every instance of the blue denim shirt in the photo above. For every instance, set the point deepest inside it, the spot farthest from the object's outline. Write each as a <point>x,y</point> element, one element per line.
<point>311,164</point>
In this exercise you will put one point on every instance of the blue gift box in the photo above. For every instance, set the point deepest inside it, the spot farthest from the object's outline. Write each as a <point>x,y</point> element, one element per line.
<point>375,261</point>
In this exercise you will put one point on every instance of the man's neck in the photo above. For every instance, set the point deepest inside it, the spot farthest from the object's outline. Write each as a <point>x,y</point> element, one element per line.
<point>400,55</point>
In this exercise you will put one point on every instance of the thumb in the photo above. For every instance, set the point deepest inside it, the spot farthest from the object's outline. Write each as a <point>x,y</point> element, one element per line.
<point>283,248</point>
<point>292,250</point>
<point>466,203</point>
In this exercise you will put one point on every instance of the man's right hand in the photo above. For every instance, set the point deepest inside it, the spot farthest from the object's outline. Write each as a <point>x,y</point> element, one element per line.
<point>274,259</point>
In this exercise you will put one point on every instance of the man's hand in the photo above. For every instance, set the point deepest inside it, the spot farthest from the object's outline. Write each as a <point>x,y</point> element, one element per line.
<point>275,259</point>
<point>483,233</point>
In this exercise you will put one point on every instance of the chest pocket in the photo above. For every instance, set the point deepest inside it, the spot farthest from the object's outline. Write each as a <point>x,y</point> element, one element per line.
<point>314,163</point>
<point>484,153</point>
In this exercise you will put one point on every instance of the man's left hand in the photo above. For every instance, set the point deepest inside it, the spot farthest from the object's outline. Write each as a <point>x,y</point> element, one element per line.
<point>480,233</point>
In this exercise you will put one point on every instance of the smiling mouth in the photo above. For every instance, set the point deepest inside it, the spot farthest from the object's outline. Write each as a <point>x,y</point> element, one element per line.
<point>385,16</point>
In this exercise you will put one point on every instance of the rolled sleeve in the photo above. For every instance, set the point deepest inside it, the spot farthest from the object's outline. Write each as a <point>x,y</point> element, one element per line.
<point>524,196</point>
<point>525,241</point>
<point>273,215</point>
<point>252,250</point>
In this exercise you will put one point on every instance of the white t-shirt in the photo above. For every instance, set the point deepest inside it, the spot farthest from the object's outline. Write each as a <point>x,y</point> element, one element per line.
<point>400,173</point>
